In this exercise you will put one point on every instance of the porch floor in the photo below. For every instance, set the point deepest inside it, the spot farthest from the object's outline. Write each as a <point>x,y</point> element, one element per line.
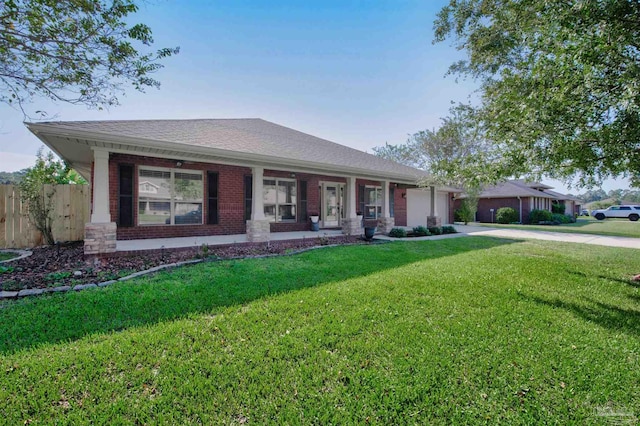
<point>215,240</point>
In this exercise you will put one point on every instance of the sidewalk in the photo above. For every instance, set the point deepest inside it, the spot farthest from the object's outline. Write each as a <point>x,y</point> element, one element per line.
<point>599,240</point>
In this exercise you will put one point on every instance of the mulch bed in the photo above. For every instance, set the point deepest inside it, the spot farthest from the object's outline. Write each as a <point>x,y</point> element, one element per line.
<point>65,264</point>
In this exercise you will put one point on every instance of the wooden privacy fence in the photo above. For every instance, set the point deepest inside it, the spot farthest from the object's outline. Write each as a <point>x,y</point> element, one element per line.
<point>70,213</point>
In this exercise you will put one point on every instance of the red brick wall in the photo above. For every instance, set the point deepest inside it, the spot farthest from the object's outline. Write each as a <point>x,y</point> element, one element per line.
<point>230,199</point>
<point>484,206</point>
<point>400,206</point>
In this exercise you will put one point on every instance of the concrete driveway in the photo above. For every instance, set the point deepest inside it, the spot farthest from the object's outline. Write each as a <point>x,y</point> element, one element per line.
<point>599,240</point>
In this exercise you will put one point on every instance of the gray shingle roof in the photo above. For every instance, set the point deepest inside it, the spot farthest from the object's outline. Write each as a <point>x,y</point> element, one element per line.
<point>248,136</point>
<point>513,188</point>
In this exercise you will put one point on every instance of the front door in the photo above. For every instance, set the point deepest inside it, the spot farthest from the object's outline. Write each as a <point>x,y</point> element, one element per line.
<point>332,196</point>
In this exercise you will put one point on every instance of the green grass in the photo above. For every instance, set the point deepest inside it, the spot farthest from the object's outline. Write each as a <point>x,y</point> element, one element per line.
<point>584,225</point>
<point>457,331</point>
<point>6,255</point>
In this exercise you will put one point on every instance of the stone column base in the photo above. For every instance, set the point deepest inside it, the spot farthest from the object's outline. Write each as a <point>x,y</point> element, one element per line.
<point>99,238</point>
<point>385,224</point>
<point>352,226</point>
<point>433,221</point>
<point>258,231</point>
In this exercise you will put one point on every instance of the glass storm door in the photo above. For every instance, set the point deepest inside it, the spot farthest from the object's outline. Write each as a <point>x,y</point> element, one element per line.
<point>331,204</point>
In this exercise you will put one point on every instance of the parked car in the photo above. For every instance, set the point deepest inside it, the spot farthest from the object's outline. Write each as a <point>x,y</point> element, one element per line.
<point>630,212</point>
<point>584,212</point>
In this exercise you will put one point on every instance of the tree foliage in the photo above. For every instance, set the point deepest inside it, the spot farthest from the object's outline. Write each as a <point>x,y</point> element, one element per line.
<point>77,51</point>
<point>455,154</point>
<point>560,83</point>
<point>39,201</point>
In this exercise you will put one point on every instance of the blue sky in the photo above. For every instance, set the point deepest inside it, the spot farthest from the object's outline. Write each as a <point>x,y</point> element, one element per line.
<point>359,73</point>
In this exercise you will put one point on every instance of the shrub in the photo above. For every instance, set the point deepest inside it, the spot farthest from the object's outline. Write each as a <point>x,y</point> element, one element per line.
<point>435,230</point>
<point>421,231</point>
<point>557,208</point>
<point>449,230</point>
<point>537,216</point>
<point>506,215</point>
<point>561,218</point>
<point>398,233</point>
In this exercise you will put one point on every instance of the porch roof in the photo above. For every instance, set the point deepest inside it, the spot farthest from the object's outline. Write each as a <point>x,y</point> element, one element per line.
<point>247,142</point>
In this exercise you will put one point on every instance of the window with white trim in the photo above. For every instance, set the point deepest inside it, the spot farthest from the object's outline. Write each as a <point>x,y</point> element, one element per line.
<point>176,198</point>
<point>280,199</point>
<point>372,202</point>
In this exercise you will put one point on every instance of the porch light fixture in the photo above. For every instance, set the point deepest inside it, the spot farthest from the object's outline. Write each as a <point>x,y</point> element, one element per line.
<point>178,163</point>
<point>292,175</point>
<point>404,195</point>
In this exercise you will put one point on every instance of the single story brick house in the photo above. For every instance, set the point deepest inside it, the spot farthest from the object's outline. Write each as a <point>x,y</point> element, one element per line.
<point>176,178</point>
<point>523,197</point>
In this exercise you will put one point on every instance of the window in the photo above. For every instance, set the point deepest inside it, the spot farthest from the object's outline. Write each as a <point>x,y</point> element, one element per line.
<point>372,202</point>
<point>169,196</point>
<point>280,200</point>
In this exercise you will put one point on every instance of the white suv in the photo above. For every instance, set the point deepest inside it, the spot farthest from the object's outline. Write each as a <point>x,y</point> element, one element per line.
<point>630,212</point>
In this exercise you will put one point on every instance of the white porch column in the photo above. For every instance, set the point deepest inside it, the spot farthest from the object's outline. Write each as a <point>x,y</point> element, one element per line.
<point>100,212</point>
<point>385,198</point>
<point>385,221</point>
<point>257,197</point>
<point>100,233</point>
<point>351,225</point>
<point>352,209</point>
<point>258,228</point>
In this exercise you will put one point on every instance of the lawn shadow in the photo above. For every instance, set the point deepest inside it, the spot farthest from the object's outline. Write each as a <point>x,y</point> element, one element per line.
<point>608,316</point>
<point>205,287</point>
<point>605,277</point>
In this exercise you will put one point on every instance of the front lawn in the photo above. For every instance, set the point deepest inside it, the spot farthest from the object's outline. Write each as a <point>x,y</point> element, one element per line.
<point>584,225</point>
<point>465,330</point>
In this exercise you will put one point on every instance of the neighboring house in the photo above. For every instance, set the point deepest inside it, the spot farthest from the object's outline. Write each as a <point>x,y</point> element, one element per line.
<point>523,197</point>
<point>176,178</point>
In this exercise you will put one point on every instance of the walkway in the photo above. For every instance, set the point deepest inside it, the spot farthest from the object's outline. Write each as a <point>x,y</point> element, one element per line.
<point>215,240</point>
<point>463,230</point>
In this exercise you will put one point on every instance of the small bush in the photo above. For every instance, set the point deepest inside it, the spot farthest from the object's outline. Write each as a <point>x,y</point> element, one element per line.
<point>506,215</point>
<point>435,230</point>
<point>561,218</point>
<point>421,231</point>
<point>398,233</point>
<point>537,216</point>
<point>449,230</point>
<point>557,208</point>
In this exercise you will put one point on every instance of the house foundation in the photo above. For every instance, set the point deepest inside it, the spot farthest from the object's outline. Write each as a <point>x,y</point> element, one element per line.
<point>99,238</point>
<point>258,231</point>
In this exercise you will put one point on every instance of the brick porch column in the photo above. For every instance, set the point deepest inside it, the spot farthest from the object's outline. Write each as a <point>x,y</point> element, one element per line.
<point>100,233</point>
<point>258,228</point>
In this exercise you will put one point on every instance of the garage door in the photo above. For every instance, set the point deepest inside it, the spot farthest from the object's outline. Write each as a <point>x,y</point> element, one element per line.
<point>418,207</point>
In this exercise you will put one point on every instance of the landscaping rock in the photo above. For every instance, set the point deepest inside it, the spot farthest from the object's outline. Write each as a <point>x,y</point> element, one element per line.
<point>77,273</point>
<point>30,292</point>
<point>60,289</point>
<point>107,283</point>
<point>84,286</point>
<point>8,294</point>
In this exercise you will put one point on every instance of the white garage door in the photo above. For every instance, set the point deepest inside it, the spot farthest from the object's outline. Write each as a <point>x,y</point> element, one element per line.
<point>443,206</point>
<point>419,206</point>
